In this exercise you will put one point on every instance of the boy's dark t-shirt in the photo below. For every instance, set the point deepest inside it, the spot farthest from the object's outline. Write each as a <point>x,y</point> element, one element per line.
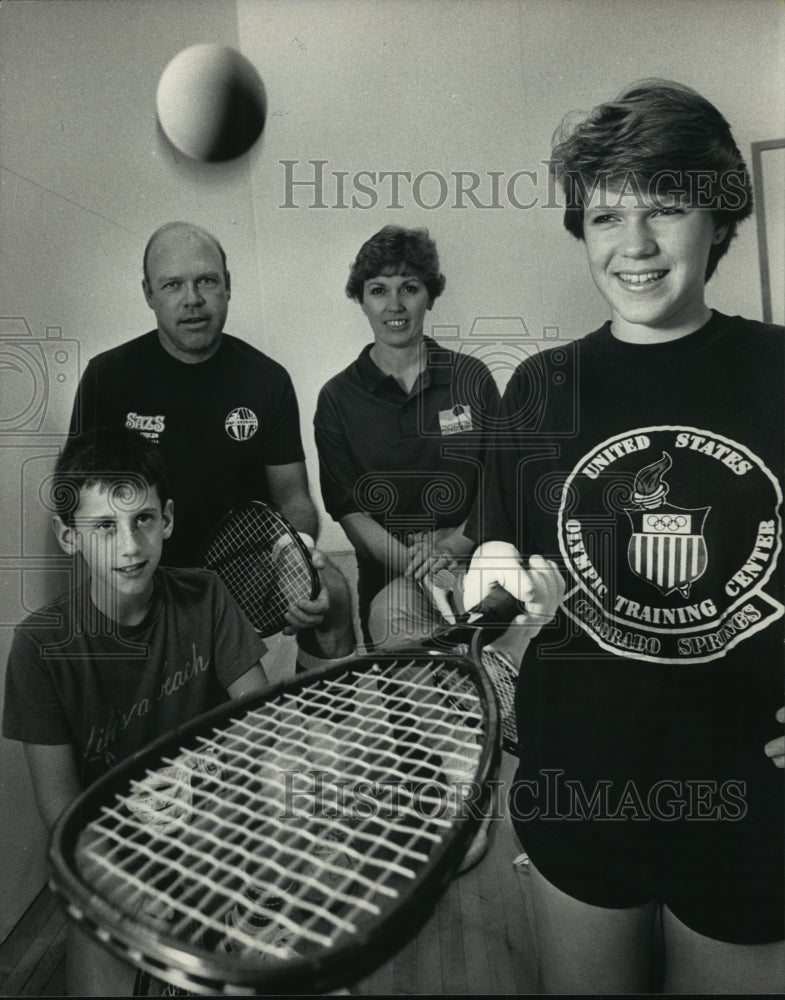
<point>74,676</point>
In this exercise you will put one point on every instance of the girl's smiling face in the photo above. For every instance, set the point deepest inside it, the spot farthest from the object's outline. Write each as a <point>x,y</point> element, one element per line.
<point>648,260</point>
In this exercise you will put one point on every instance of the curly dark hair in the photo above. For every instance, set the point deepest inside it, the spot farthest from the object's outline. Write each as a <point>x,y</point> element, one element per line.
<point>396,250</point>
<point>657,137</point>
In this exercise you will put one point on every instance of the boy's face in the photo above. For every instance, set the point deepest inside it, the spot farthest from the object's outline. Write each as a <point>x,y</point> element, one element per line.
<point>119,530</point>
<point>648,260</point>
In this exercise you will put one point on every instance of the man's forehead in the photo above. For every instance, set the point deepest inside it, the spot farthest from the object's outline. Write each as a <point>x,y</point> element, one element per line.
<point>184,245</point>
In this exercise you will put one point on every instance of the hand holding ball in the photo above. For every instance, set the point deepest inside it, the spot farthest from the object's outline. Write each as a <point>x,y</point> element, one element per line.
<point>211,103</point>
<point>497,570</point>
<point>540,587</point>
<point>495,564</point>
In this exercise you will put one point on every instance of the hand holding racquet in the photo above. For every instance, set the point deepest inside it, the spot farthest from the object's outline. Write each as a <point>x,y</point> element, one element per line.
<point>264,563</point>
<point>291,841</point>
<point>474,632</point>
<point>508,604</point>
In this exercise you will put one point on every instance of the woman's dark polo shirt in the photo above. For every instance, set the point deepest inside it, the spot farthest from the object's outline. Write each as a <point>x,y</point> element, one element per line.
<point>411,461</point>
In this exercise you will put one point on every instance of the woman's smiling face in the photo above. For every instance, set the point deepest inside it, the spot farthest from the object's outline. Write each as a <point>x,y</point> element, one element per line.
<point>395,305</point>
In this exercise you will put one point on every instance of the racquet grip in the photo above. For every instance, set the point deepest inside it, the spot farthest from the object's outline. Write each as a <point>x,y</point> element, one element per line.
<point>498,608</point>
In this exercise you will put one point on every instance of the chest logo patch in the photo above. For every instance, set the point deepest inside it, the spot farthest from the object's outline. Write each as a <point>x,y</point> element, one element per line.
<point>151,427</point>
<point>241,424</point>
<point>670,536</point>
<point>667,546</point>
<point>456,420</point>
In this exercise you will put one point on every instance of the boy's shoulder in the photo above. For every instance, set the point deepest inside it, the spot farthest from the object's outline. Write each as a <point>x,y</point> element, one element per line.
<point>756,336</point>
<point>52,616</point>
<point>67,613</point>
<point>199,594</point>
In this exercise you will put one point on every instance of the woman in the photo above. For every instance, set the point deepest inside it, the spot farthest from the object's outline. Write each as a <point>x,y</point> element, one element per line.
<point>400,435</point>
<point>649,795</point>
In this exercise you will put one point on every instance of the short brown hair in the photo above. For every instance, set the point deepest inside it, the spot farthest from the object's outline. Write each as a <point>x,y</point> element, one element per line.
<point>396,250</point>
<point>659,136</point>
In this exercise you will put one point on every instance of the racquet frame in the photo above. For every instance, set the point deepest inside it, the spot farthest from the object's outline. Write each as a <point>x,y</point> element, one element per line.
<point>468,635</point>
<point>188,966</point>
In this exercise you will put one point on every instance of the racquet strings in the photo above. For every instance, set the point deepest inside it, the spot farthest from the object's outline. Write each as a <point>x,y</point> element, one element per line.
<point>503,677</point>
<point>472,638</point>
<point>472,630</point>
<point>256,839</point>
<point>261,565</point>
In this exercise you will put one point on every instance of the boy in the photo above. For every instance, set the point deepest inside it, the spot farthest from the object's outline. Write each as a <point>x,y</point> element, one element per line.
<point>133,649</point>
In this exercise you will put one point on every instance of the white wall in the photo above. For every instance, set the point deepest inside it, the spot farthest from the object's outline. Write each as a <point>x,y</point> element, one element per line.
<point>468,85</point>
<point>366,85</point>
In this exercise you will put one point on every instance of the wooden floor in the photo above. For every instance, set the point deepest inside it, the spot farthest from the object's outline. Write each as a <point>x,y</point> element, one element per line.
<point>476,942</point>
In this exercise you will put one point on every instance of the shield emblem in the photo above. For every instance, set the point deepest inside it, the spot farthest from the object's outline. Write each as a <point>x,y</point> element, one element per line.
<point>667,547</point>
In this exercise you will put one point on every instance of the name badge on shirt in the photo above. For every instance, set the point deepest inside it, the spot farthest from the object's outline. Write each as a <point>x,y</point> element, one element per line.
<point>456,420</point>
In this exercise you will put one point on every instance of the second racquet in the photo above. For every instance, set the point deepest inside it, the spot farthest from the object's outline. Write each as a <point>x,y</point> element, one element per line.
<point>263,562</point>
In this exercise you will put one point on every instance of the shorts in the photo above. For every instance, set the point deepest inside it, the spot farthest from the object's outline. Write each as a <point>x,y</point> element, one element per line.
<point>715,891</point>
<point>639,782</point>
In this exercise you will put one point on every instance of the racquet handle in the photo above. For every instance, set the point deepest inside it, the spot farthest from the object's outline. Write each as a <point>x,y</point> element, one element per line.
<point>489,619</point>
<point>497,609</point>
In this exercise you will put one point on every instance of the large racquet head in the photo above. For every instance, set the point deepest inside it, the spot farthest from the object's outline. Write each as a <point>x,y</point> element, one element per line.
<point>292,841</point>
<point>263,562</point>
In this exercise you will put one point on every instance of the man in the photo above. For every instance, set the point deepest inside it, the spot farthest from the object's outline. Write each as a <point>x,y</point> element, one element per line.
<point>224,415</point>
